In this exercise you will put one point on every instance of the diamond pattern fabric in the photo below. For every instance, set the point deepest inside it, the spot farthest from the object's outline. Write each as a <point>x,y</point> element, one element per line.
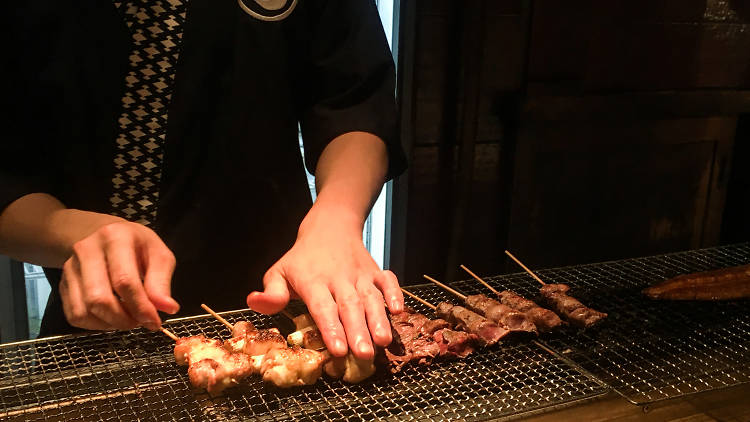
<point>156,30</point>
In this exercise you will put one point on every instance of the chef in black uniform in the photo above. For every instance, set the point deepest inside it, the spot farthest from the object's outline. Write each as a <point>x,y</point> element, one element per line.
<point>151,160</point>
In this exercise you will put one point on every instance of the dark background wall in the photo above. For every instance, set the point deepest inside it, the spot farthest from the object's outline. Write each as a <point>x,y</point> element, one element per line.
<point>570,132</point>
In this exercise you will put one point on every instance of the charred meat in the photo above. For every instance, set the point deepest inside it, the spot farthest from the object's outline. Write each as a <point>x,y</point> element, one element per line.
<point>486,331</point>
<point>544,319</point>
<point>507,317</point>
<point>556,296</point>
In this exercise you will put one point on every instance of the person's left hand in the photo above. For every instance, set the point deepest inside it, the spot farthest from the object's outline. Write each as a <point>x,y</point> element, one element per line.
<point>330,269</point>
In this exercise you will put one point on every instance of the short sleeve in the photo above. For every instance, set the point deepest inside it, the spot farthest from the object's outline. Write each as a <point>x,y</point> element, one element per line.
<point>350,79</point>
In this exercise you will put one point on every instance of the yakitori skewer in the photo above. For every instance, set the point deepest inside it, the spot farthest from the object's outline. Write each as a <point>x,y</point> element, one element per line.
<point>249,351</point>
<point>169,334</point>
<point>217,316</point>
<point>570,308</point>
<point>420,300</point>
<point>544,319</point>
<point>486,330</point>
<point>531,273</point>
<point>507,317</point>
<point>479,279</point>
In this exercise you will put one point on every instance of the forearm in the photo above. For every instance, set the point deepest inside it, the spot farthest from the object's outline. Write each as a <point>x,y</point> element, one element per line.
<point>37,228</point>
<point>349,175</point>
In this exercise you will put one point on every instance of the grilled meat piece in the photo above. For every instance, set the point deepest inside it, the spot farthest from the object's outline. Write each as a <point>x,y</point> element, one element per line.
<point>487,332</point>
<point>722,284</point>
<point>349,368</point>
<point>289,367</point>
<point>241,328</point>
<point>211,366</point>
<point>507,317</point>
<point>452,343</point>
<point>431,326</point>
<point>195,348</point>
<point>258,342</point>
<point>544,319</point>
<point>416,338</point>
<point>569,307</point>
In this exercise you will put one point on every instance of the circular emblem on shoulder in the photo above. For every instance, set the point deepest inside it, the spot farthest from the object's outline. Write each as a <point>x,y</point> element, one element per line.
<point>268,10</point>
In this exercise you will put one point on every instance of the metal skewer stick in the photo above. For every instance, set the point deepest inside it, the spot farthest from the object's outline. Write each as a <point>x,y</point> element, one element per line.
<point>479,279</point>
<point>217,316</point>
<point>169,334</point>
<point>419,299</point>
<point>525,268</point>
<point>455,292</point>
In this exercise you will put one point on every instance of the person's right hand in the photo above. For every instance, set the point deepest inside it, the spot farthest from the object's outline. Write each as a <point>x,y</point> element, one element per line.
<point>118,277</point>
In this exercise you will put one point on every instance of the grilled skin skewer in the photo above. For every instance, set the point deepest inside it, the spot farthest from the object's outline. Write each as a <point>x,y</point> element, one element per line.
<point>722,284</point>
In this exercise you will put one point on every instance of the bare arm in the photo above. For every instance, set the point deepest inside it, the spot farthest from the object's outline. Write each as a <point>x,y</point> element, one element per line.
<point>37,228</point>
<point>116,274</point>
<point>328,266</point>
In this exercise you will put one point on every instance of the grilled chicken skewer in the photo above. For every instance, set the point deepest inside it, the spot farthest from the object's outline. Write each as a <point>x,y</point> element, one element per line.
<point>278,364</point>
<point>211,366</point>
<point>347,368</point>
<point>544,319</point>
<point>514,321</point>
<point>486,331</point>
<point>570,308</point>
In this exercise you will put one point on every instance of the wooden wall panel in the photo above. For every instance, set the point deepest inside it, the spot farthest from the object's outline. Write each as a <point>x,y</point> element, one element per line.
<point>643,45</point>
<point>598,130</point>
<point>600,192</point>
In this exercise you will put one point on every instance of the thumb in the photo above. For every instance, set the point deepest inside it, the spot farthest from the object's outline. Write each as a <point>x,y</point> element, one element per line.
<point>275,296</point>
<point>158,283</point>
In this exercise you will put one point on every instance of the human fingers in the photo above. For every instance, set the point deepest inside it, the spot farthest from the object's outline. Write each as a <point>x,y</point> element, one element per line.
<point>96,288</point>
<point>377,320</point>
<point>275,295</point>
<point>387,283</point>
<point>322,307</point>
<point>72,302</point>
<point>124,274</point>
<point>157,280</point>
<point>352,315</point>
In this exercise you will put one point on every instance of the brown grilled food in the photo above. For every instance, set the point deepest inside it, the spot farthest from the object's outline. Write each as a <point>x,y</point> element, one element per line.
<point>507,317</point>
<point>419,339</point>
<point>723,284</point>
<point>487,331</point>
<point>544,319</point>
<point>570,308</point>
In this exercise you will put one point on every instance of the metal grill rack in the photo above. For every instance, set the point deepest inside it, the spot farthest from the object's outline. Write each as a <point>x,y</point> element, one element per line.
<point>133,376</point>
<point>649,350</point>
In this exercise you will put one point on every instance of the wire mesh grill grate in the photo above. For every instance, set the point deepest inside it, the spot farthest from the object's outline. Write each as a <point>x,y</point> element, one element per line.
<point>650,350</point>
<point>133,376</point>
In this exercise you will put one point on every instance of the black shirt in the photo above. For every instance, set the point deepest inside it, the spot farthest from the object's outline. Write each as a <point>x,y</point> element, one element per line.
<point>232,188</point>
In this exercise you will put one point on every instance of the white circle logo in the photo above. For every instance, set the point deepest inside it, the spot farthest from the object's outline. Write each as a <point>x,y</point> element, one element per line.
<point>268,10</point>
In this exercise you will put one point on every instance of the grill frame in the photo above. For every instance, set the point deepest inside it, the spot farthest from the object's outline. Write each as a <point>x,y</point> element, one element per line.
<point>614,287</point>
<point>132,376</point>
